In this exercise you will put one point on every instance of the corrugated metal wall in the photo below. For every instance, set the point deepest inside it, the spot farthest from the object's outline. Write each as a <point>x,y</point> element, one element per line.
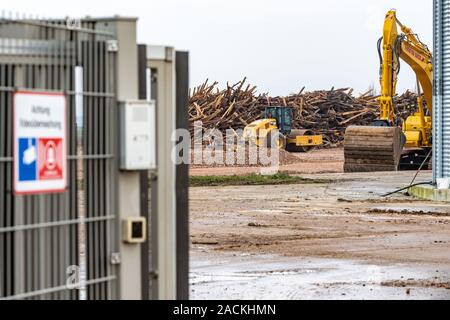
<point>39,233</point>
<point>441,103</point>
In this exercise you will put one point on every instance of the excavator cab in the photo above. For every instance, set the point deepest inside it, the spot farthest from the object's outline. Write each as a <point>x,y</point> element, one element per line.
<point>283,117</point>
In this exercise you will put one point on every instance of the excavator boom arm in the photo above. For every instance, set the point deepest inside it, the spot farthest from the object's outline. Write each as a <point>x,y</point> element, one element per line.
<point>421,61</point>
<point>389,68</point>
<point>407,47</point>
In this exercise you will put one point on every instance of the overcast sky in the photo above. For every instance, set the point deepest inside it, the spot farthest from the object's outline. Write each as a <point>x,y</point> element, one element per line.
<point>279,45</point>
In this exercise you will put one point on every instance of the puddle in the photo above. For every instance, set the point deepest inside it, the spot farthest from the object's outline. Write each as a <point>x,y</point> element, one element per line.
<point>273,277</point>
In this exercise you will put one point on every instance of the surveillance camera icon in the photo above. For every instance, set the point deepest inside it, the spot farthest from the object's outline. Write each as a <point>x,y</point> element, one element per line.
<point>30,154</point>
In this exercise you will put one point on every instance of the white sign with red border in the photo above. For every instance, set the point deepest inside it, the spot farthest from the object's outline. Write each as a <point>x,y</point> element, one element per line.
<point>40,151</point>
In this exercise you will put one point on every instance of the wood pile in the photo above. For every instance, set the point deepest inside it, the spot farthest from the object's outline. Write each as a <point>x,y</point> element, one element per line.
<point>324,112</point>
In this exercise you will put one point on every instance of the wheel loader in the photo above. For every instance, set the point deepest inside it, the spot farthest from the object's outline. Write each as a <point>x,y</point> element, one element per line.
<point>391,144</point>
<point>276,128</point>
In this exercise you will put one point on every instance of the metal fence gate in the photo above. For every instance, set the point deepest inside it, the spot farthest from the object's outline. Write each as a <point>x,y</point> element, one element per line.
<point>39,233</point>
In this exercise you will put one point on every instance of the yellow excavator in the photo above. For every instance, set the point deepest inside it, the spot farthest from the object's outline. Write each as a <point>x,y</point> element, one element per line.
<point>391,144</point>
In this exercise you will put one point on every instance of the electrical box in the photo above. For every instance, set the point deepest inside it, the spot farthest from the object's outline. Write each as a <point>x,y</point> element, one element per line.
<point>138,135</point>
<point>134,230</point>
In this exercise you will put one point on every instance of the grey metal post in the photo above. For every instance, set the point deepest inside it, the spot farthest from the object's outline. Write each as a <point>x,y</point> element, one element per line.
<point>182,178</point>
<point>166,192</point>
<point>153,263</point>
<point>81,203</point>
<point>144,82</point>
<point>128,182</point>
<point>163,189</point>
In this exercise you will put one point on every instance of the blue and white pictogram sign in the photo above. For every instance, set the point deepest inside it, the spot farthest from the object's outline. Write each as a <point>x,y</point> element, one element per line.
<point>40,159</point>
<point>27,159</point>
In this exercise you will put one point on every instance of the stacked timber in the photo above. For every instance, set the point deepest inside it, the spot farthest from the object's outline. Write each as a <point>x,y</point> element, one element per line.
<point>324,112</point>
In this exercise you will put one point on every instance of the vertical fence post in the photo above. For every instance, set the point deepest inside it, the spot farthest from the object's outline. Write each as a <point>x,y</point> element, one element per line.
<point>80,183</point>
<point>148,82</point>
<point>143,176</point>
<point>182,178</point>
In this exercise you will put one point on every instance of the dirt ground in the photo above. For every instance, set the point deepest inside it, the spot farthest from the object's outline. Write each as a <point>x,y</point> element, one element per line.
<point>334,240</point>
<point>316,161</point>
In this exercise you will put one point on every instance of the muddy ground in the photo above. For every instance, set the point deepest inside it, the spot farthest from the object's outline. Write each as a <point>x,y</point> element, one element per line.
<point>316,161</point>
<point>337,239</point>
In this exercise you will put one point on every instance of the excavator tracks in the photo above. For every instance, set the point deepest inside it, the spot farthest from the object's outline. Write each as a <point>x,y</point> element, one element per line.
<point>372,149</point>
<point>413,159</point>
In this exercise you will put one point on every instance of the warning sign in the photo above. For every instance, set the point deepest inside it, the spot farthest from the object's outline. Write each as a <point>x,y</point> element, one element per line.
<point>50,159</point>
<point>40,159</point>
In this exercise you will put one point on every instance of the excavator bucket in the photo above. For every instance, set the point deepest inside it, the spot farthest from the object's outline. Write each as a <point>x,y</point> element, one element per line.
<point>371,149</point>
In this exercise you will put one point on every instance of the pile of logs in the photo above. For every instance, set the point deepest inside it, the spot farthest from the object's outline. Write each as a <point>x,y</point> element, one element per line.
<point>324,112</point>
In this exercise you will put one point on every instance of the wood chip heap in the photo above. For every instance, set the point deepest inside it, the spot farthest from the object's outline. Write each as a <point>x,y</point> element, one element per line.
<point>324,112</point>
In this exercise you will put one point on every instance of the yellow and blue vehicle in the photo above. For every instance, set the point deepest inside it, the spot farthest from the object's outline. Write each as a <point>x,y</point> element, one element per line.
<point>275,130</point>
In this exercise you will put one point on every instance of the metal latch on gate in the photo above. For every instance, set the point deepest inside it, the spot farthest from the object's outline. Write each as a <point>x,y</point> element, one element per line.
<point>112,45</point>
<point>153,275</point>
